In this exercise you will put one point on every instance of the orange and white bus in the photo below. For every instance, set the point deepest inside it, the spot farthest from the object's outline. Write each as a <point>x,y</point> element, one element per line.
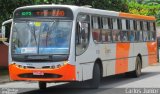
<point>64,43</point>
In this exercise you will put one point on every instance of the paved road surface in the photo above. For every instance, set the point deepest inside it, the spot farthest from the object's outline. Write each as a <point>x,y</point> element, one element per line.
<point>110,85</point>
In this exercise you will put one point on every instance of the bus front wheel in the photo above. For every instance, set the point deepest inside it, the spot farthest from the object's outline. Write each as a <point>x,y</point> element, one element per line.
<point>42,85</point>
<point>95,81</point>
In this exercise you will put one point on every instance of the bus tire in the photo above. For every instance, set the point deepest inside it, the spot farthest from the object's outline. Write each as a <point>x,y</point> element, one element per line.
<point>137,71</point>
<point>95,81</point>
<point>42,85</point>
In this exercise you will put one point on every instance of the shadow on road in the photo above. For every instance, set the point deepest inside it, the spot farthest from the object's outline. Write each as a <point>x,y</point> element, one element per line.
<point>106,86</point>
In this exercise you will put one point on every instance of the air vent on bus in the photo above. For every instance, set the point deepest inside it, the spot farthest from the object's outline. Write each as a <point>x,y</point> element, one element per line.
<point>46,75</point>
<point>46,67</point>
<point>30,67</point>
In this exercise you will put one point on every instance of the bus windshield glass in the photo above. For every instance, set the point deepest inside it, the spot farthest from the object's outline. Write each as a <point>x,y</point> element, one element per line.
<point>43,37</point>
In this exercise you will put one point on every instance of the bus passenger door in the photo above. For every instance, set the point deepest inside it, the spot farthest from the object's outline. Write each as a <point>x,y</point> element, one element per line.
<point>82,38</point>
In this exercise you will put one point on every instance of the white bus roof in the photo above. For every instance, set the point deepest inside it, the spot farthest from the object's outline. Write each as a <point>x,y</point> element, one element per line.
<point>75,9</point>
<point>78,9</point>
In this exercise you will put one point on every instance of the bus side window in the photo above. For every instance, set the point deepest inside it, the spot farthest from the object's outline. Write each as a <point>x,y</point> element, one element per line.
<point>131,32</point>
<point>106,32</point>
<point>116,35</point>
<point>145,32</point>
<point>96,29</point>
<point>82,34</point>
<point>124,34</point>
<point>138,33</point>
<point>116,26</point>
<point>152,31</point>
<point>7,31</point>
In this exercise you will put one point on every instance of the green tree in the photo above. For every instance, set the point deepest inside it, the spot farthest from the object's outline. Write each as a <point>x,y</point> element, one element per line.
<point>8,6</point>
<point>145,7</point>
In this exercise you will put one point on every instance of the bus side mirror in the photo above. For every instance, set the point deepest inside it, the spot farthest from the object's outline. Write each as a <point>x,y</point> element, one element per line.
<point>4,39</point>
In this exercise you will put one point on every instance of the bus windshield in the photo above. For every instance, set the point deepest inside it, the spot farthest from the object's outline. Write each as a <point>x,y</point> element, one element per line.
<point>43,37</point>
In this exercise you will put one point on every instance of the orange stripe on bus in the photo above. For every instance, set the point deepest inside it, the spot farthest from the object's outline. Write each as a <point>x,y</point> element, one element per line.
<point>67,72</point>
<point>152,52</point>
<point>122,54</point>
<point>135,16</point>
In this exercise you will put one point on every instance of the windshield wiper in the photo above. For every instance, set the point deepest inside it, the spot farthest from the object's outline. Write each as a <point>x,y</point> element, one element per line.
<point>34,35</point>
<point>49,30</point>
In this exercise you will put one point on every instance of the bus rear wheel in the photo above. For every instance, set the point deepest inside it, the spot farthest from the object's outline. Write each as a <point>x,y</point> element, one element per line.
<point>137,72</point>
<point>42,85</point>
<point>95,81</point>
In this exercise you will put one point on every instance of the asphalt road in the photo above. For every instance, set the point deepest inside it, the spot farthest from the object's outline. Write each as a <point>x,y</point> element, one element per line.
<point>118,84</point>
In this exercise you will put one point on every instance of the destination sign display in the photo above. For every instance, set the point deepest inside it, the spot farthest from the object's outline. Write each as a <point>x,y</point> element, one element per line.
<point>43,12</point>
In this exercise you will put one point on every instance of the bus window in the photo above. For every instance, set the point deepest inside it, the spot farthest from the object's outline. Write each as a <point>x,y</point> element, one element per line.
<point>128,24</point>
<point>131,36</point>
<point>123,24</point>
<point>106,33</point>
<point>96,29</point>
<point>145,32</point>
<point>152,31</point>
<point>132,31</point>
<point>135,25</point>
<point>105,23</point>
<point>110,23</point>
<point>138,33</point>
<point>115,23</point>
<point>7,31</point>
<point>124,36</point>
<point>116,35</point>
<point>138,36</point>
<point>131,25</point>
<point>82,34</point>
<point>116,31</point>
<point>138,25</point>
<point>119,24</point>
<point>149,31</point>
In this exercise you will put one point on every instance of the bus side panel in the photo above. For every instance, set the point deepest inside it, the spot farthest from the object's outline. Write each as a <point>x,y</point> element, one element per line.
<point>108,68</point>
<point>87,73</point>
<point>131,58</point>
<point>108,56</point>
<point>122,54</point>
<point>86,60</point>
<point>152,52</point>
<point>141,48</point>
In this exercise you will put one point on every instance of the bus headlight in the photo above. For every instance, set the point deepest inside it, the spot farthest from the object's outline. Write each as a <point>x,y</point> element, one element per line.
<point>65,62</point>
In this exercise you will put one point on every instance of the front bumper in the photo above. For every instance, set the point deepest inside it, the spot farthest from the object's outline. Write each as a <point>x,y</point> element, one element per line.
<point>64,73</point>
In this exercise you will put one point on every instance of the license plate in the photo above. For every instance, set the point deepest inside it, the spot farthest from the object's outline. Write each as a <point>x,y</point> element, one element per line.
<point>38,73</point>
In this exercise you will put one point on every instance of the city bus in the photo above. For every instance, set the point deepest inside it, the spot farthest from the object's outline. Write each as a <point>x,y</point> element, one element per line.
<point>6,25</point>
<point>65,43</point>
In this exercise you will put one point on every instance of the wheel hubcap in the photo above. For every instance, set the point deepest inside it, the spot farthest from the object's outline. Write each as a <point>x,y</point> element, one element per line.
<point>138,69</point>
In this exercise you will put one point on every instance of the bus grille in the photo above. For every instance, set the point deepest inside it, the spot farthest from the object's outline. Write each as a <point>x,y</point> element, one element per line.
<point>46,75</point>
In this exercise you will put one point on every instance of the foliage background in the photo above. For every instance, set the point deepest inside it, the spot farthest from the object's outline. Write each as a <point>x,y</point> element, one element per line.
<point>142,7</point>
